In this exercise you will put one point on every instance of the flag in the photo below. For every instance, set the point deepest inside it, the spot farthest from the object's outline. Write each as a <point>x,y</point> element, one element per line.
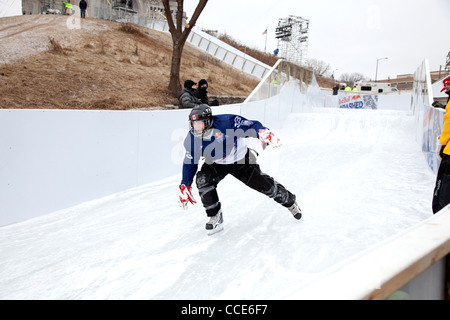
<point>265,32</point>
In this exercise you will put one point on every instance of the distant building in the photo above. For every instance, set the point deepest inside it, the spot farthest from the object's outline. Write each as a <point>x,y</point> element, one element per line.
<point>405,81</point>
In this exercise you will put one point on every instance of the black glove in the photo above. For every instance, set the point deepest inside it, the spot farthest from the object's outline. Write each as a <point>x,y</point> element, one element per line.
<point>437,104</point>
<point>441,152</point>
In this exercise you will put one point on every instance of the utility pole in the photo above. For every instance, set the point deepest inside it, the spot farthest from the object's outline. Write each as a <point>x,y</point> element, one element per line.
<point>376,72</point>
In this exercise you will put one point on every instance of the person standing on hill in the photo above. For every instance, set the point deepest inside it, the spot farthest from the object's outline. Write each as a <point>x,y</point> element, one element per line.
<point>68,8</point>
<point>83,7</point>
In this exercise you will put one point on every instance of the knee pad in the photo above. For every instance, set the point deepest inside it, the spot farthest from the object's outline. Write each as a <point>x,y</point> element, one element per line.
<point>205,178</point>
<point>208,194</point>
<point>202,180</point>
<point>283,196</point>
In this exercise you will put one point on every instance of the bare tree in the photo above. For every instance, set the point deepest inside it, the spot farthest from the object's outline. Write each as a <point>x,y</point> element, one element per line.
<point>319,67</point>
<point>351,78</point>
<point>179,37</point>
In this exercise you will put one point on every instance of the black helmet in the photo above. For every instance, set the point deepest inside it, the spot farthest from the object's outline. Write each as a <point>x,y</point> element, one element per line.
<point>201,112</point>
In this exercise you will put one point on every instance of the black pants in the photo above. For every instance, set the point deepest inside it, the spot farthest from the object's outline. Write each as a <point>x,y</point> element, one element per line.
<point>248,172</point>
<point>441,195</point>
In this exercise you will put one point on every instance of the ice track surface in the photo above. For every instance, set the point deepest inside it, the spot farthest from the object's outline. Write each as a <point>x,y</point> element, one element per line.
<point>359,177</point>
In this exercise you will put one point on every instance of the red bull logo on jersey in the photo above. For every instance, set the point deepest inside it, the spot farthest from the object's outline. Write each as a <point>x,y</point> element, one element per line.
<point>238,122</point>
<point>218,136</point>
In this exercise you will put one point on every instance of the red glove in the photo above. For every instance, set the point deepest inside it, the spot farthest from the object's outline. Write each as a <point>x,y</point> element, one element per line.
<point>267,137</point>
<point>185,196</point>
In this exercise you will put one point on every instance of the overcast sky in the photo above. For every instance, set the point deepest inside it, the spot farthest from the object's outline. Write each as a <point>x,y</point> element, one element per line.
<point>349,35</point>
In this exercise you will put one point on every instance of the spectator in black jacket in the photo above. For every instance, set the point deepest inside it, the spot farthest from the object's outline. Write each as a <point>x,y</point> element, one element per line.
<point>187,97</point>
<point>335,89</point>
<point>202,93</point>
<point>83,7</point>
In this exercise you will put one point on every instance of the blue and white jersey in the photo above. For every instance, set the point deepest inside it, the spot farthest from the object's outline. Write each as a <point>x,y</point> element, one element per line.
<point>224,145</point>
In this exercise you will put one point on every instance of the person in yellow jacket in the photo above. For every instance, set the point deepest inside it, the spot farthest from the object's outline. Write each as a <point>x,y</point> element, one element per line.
<point>68,7</point>
<point>441,195</point>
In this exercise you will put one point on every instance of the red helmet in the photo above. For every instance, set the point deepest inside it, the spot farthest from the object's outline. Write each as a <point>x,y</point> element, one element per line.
<point>445,82</point>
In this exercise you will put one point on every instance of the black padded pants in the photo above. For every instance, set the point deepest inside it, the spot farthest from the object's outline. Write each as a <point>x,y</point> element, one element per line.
<point>248,172</point>
<point>441,195</point>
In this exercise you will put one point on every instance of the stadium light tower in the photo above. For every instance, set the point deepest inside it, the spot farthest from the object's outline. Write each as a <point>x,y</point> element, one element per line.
<point>292,34</point>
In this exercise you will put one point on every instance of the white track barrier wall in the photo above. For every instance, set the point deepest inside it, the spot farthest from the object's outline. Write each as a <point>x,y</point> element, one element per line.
<point>54,159</point>
<point>222,51</point>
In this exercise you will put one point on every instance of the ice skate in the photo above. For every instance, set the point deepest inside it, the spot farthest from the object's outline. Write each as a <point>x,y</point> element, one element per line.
<point>215,224</point>
<point>296,211</point>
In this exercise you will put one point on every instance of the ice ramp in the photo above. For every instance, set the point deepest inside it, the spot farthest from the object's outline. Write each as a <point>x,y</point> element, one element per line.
<point>359,177</point>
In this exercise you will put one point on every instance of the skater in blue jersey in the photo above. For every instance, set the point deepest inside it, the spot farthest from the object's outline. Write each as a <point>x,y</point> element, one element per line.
<point>219,140</point>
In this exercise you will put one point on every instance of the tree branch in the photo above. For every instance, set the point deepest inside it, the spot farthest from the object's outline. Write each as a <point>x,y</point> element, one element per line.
<point>169,16</point>
<point>201,5</point>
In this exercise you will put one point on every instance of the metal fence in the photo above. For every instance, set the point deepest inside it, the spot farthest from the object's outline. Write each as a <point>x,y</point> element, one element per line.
<point>203,41</point>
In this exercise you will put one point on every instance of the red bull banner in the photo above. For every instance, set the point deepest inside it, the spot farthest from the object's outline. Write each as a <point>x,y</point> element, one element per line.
<point>358,101</point>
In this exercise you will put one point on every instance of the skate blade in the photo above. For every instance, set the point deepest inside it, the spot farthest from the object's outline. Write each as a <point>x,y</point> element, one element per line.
<point>298,216</point>
<point>215,230</point>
